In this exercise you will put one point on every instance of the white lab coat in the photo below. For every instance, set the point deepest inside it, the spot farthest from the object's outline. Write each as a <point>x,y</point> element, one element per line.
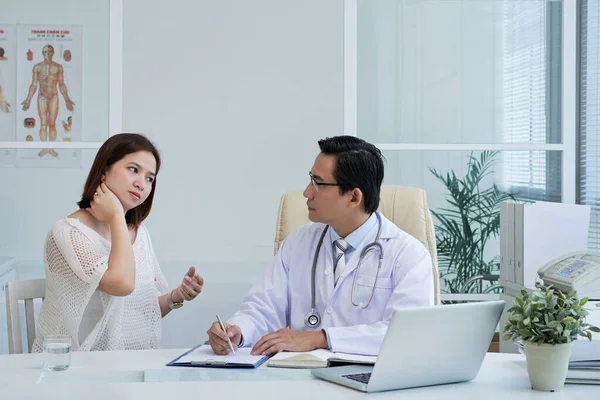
<point>282,297</point>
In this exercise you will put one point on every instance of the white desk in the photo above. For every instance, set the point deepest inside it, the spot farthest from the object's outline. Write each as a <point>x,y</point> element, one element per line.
<point>142,374</point>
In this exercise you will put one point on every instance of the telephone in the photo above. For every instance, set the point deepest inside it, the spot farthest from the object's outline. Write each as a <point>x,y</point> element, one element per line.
<point>574,271</point>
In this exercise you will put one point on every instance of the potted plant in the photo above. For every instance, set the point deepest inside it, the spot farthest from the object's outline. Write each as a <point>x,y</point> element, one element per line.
<point>547,321</point>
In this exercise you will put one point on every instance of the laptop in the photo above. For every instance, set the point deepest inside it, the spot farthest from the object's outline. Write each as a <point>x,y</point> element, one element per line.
<point>425,346</point>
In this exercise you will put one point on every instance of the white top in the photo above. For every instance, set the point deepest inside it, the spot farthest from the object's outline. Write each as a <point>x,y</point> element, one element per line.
<point>75,259</point>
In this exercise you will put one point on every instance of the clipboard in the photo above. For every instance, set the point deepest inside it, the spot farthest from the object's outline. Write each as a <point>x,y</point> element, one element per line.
<point>203,356</point>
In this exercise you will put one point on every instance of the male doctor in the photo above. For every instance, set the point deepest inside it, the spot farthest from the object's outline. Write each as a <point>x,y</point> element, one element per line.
<point>353,304</point>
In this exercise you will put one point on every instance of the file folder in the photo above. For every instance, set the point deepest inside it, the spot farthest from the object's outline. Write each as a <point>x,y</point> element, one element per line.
<point>203,356</point>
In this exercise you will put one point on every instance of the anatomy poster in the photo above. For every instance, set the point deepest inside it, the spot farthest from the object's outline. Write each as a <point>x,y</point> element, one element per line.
<point>8,80</point>
<point>49,92</point>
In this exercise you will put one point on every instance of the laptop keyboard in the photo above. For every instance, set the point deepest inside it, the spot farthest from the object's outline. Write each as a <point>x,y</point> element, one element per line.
<point>363,378</point>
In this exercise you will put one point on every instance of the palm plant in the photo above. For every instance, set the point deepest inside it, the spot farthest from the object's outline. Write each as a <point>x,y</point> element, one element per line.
<point>468,223</point>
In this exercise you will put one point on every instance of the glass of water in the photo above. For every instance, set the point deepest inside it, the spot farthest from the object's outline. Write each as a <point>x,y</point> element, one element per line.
<point>57,352</point>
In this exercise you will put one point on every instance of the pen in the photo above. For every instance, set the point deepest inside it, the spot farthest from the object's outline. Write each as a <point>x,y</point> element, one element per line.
<point>224,330</point>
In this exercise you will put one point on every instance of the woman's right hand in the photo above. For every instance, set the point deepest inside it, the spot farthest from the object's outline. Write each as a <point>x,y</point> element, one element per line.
<point>105,206</point>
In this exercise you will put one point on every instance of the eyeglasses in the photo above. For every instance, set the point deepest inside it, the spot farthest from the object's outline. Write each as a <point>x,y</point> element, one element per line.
<point>317,184</point>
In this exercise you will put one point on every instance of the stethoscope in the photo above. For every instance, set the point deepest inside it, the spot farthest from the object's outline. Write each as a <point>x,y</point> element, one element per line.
<point>312,319</point>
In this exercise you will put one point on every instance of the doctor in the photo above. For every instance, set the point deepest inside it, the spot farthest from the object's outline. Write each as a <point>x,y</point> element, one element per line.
<point>315,294</point>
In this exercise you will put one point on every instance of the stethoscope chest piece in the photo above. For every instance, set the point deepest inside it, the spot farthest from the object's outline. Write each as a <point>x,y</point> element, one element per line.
<point>312,319</point>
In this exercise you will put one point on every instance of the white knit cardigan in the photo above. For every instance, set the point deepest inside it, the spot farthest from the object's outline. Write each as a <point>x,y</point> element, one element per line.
<point>76,258</point>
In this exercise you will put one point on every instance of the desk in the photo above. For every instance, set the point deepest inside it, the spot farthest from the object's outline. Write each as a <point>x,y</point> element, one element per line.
<point>142,374</point>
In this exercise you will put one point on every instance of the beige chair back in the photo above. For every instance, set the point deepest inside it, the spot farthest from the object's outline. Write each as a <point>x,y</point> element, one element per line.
<point>406,207</point>
<point>27,291</point>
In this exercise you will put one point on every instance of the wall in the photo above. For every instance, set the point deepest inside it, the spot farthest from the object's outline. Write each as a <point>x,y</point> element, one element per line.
<point>236,94</point>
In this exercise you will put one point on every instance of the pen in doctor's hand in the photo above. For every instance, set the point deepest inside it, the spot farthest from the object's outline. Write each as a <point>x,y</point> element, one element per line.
<point>225,330</point>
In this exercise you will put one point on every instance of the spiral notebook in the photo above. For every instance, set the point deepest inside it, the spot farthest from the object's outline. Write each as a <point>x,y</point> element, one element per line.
<point>203,356</point>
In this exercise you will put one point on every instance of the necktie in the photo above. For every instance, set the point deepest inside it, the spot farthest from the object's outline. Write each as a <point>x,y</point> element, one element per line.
<point>340,246</point>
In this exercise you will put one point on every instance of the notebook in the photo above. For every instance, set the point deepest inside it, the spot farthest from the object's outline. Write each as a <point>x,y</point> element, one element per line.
<point>203,356</point>
<point>584,363</point>
<point>585,354</point>
<point>320,358</point>
<point>591,374</point>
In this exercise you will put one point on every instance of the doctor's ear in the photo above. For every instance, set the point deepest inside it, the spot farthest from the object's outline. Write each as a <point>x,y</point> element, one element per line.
<point>356,197</point>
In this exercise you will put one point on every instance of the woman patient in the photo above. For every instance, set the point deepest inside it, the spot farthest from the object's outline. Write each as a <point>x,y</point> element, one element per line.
<point>104,287</point>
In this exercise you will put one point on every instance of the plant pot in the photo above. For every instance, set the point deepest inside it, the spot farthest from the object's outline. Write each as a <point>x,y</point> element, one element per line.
<point>547,365</point>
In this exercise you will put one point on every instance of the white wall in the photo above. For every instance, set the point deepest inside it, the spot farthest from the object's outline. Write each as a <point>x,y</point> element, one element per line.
<point>235,94</point>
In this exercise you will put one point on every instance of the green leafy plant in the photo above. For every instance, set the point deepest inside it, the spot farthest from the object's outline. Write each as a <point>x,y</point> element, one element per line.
<point>548,316</point>
<point>468,223</point>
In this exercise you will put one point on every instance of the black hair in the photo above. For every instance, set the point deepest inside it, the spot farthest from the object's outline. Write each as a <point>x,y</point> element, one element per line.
<point>358,164</point>
<point>1,51</point>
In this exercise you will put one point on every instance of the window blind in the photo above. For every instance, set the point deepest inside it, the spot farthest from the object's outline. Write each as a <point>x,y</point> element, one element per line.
<point>589,114</point>
<point>531,97</point>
